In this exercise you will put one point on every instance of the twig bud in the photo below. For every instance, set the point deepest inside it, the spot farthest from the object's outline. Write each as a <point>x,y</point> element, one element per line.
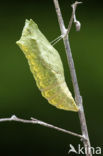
<point>77,25</point>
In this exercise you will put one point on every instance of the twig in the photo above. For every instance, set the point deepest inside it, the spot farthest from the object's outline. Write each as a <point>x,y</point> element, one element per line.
<point>66,31</point>
<point>78,97</point>
<point>73,17</point>
<point>36,121</point>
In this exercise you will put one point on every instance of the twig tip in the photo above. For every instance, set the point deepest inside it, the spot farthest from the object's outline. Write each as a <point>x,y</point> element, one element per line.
<point>33,119</point>
<point>76,3</point>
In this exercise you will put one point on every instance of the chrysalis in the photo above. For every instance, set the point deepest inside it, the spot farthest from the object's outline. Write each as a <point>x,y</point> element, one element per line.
<point>46,66</point>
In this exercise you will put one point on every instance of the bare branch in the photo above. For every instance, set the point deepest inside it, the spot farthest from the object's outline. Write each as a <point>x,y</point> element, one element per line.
<point>66,31</point>
<point>78,97</point>
<point>60,19</point>
<point>36,121</point>
<point>73,17</point>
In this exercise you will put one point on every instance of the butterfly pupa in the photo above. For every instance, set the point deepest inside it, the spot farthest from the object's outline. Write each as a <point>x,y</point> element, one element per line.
<point>46,66</point>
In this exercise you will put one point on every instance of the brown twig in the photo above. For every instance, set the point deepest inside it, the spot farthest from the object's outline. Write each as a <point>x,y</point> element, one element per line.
<point>78,97</point>
<point>73,17</point>
<point>36,121</point>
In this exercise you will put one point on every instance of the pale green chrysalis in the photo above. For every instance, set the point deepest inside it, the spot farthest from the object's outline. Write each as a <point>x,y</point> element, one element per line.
<point>46,66</point>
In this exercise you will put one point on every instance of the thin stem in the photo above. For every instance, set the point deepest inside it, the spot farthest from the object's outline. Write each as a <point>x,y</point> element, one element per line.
<point>73,17</point>
<point>36,121</point>
<point>78,97</point>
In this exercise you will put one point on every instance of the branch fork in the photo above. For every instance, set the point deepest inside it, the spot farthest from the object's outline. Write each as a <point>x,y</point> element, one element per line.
<point>65,31</point>
<point>39,122</point>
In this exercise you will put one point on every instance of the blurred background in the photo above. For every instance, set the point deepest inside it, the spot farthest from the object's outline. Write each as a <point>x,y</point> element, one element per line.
<point>19,94</point>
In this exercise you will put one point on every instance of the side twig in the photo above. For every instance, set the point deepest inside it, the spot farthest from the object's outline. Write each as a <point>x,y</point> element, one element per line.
<point>78,97</point>
<point>36,121</point>
<point>73,17</point>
